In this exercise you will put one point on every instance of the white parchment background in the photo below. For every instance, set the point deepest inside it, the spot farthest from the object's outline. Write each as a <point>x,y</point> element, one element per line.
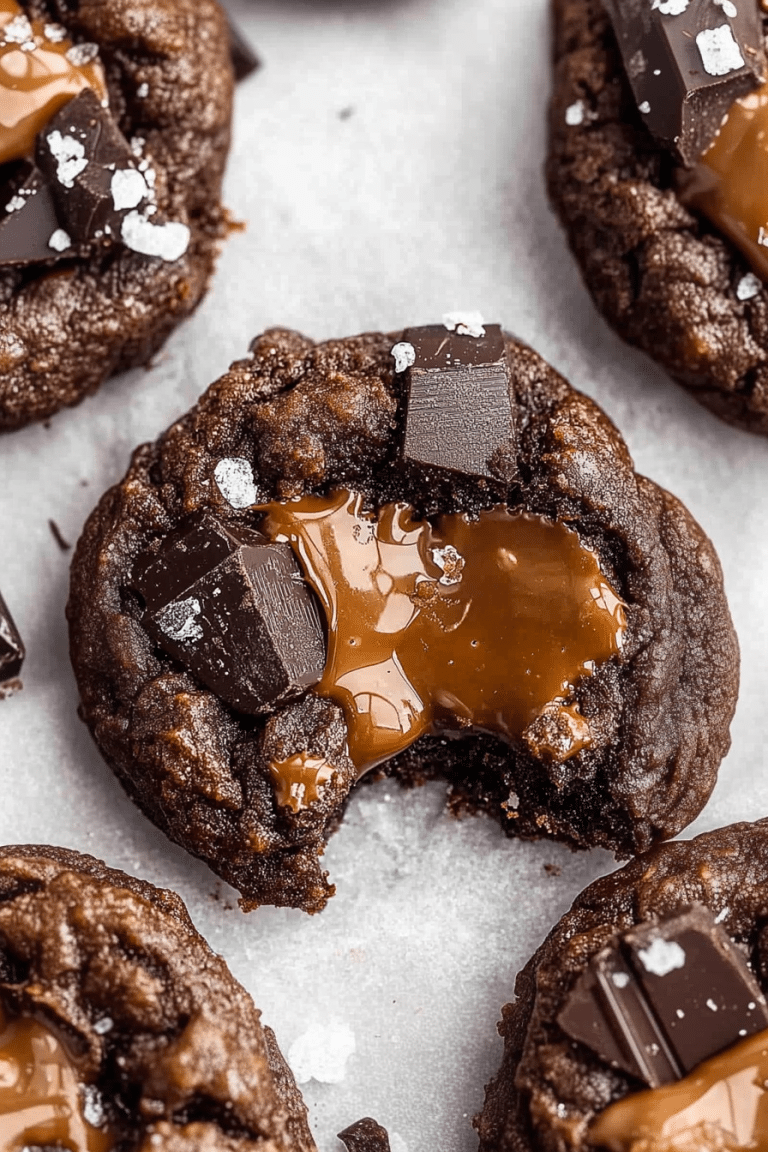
<point>426,196</point>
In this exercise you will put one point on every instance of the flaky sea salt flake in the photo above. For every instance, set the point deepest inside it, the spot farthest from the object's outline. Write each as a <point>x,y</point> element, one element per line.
<point>662,957</point>
<point>81,54</point>
<point>128,188</point>
<point>574,114</point>
<point>179,620</point>
<point>670,7</point>
<point>69,155</point>
<point>405,356</point>
<point>234,478</point>
<point>720,54</point>
<point>18,31</point>
<point>747,288</point>
<point>54,33</point>
<point>60,240</point>
<point>167,241</point>
<point>465,324</point>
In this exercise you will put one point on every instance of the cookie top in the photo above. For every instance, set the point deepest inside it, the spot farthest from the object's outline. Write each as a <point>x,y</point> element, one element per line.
<point>628,755</point>
<point>165,1048</point>
<point>662,274</point>
<point>111,210</point>
<point>550,1088</point>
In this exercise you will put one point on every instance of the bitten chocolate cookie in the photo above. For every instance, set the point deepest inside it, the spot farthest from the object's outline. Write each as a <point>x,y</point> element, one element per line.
<point>658,169</point>
<point>119,1028</point>
<point>422,553</point>
<point>641,1023</point>
<point>114,132</point>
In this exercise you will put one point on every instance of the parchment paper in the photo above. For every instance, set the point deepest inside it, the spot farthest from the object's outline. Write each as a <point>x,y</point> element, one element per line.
<point>387,159</point>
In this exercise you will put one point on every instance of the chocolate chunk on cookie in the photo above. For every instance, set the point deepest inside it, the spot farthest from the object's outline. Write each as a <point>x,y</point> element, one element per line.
<point>125,1030</point>
<point>657,976</point>
<point>113,143</point>
<point>662,184</point>
<point>535,634</point>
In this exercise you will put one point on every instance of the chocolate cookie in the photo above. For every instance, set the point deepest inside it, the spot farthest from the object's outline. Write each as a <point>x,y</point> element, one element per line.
<point>664,204</point>
<point>423,553</point>
<point>124,1029</point>
<point>655,979</point>
<point>114,133</point>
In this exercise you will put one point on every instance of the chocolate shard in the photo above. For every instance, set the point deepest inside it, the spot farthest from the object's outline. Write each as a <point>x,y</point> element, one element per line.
<point>688,61</point>
<point>11,653</point>
<point>666,997</point>
<point>365,1136</point>
<point>29,225</point>
<point>459,410</point>
<point>244,59</point>
<point>91,170</point>
<point>234,609</point>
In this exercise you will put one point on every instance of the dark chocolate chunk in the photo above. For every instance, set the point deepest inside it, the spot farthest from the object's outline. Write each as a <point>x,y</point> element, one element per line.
<point>11,653</point>
<point>234,609</point>
<point>91,170</point>
<point>668,996</point>
<point>244,59</point>
<point>29,224</point>
<point>687,63</point>
<point>459,412</point>
<point>365,1136</point>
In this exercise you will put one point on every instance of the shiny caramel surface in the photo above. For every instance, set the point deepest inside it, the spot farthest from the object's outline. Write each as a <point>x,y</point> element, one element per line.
<point>480,624</point>
<point>36,79</point>
<point>298,779</point>
<point>721,1105</point>
<point>42,1098</point>
<point>730,183</point>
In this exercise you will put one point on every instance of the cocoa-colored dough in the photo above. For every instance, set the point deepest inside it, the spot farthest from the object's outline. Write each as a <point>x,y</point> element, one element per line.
<point>313,418</point>
<point>64,332</point>
<point>549,1088</point>
<point>665,278</point>
<point>186,1065</point>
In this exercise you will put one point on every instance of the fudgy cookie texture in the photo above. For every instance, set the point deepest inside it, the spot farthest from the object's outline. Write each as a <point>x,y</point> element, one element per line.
<point>65,330</point>
<point>663,277</point>
<point>313,418</point>
<point>171,1041</point>
<point>549,1088</point>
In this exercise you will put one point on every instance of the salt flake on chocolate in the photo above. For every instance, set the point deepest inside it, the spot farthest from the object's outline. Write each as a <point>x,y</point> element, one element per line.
<point>720,54</point>
<point>405,356</point>
<point>670,7</point>
<point>55,33</point>
<point>128,188</point>
<point>465,324</point>
<point>60,241</point>
<point>69,155</point>
<point>179,620</point>
<point>662,957</point>
<point>166,241</point>
<point>728,8</point>
<point>234,478</point>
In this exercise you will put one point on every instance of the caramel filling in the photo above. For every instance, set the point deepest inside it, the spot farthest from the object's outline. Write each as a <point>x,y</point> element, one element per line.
<point>43,1102</point>
<point>730,182</point>
<point>39,73</point>
<point>721,1105</point>
<point>485,624</point>
<point>298,780</point>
